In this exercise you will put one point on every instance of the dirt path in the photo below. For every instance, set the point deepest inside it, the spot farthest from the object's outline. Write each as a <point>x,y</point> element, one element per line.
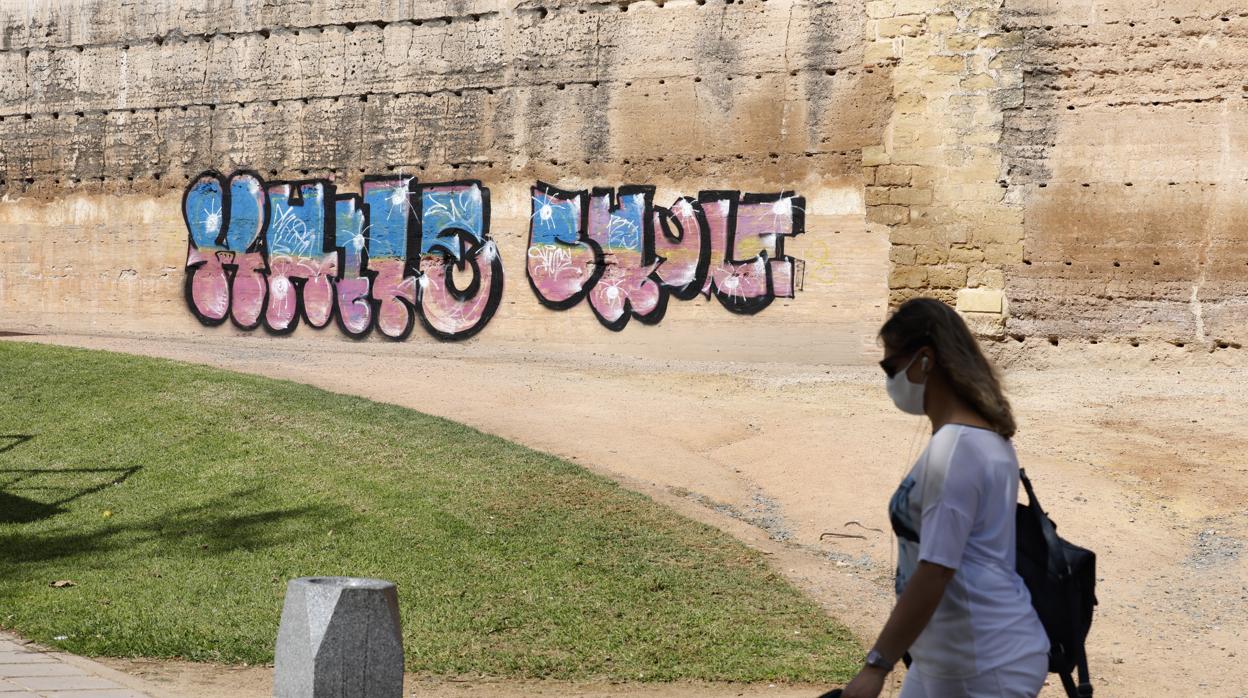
<point>1139,455</point>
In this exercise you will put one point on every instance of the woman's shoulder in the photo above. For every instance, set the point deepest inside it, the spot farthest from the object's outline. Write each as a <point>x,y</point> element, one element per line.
<point>967,445</point>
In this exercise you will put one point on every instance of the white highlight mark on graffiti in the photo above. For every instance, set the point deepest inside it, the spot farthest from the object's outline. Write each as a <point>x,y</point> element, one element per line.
<point>611,286</point>
<point>293,232</point>
<point>683,208</point>
<point>783,208</point>
<point>622,232</point>
<point>212,220</point>
<point>488,251</point>
<point>281,288</point>
<point>399,199</point>
<point>551,260</point>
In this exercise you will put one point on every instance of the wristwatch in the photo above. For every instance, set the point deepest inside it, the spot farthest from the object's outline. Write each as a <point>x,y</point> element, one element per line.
<point>876,660</point>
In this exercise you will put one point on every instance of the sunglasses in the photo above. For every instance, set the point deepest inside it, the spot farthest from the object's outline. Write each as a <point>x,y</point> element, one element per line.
<point>896,362</point>
<point>891,365</point>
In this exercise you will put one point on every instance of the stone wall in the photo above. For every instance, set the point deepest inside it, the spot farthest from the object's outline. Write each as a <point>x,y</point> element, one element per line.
<point>1130,156</point>
<point>1056,168</point>
<point>1068,169</point>
<point>936,182</point>
<point>117,107</point>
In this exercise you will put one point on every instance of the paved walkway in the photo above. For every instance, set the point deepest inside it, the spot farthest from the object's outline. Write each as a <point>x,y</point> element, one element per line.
<point>26,671</point>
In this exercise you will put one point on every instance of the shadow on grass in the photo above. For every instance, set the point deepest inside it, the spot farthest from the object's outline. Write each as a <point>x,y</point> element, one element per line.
<point>212,528</point>
<point>18,509</point>
<point>15,441</point>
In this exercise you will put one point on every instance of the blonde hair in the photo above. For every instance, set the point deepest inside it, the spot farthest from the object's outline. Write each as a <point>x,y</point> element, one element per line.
<point>927,322</point>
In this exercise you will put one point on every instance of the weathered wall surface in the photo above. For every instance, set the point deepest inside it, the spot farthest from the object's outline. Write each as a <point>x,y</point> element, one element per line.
<point>1065,169</point>
<point>115,108</point>
<point>1068,169</point>
<point>1130,155</point>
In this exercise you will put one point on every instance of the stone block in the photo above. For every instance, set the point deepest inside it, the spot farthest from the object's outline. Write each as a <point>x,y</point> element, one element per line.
<point>982,19</point>
<point>893,175</point>
<point>901,255</point>
<point>879,9</point>
<point>910,103</point>
<point>965,255</point>
<point>879,52</point>
<point>873,155</point>
<point>1012,39</point>
<point>983,81</point>
<point>992,278</point>
<point>1004,254</point>
<point>339,638</point>
<point>962,42</point>
<point>947,277</point>
<point>907,277</point>
<point>954,65</point>
<point>915,7</point>
<point>877,196</point>
<point>900,26</point>
<point>942,24</point>
<point>980,300</point>
<point>910,196</point>
<point>888,215</point>
<point>928,255</point>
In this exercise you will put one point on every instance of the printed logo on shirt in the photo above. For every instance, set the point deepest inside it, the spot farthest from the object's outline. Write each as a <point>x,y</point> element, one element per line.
<point>899,513</point>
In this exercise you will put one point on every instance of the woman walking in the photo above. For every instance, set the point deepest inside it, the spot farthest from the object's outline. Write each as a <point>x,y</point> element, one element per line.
<point>962,611</point>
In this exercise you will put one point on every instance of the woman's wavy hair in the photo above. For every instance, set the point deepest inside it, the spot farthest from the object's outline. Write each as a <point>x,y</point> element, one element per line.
<point>927,322</point>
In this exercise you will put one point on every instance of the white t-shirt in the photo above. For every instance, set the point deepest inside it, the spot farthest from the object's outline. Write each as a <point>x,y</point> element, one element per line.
<point>956,509</point>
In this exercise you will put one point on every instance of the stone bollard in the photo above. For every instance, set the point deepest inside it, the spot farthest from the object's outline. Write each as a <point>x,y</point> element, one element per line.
<point>339,638</point>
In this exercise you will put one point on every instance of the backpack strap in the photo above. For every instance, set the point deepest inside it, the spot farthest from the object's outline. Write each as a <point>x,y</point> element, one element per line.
<point>1068,683</point>
<point>1085,680</point>
<point>1084,688</point>
<point>1031,491</point>
<point>1056,553</point>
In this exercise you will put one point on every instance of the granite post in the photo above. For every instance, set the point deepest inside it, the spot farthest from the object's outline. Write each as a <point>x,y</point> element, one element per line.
<point>339,638</point>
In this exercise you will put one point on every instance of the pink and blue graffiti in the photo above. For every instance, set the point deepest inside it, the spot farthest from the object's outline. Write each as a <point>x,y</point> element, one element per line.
<point>628,255</point>
<point>400,251</point>
<point>274,254</point>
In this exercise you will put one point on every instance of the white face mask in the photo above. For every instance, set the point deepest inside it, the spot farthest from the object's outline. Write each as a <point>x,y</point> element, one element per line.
<point>906,395</point>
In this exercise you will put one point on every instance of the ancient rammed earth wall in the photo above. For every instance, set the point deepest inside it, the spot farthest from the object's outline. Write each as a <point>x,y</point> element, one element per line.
<point>113,109</point>
<point>1068,169</point>
<point>1129,155</point>
<point>1057,169</point>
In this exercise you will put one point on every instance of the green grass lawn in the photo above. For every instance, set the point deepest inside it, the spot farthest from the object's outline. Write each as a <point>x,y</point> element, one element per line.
<point>180,499</point>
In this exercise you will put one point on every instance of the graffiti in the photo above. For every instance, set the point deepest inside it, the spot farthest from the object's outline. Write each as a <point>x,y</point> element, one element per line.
<point>399,253</point>
<point>628,256</point>
<point>279,253</point>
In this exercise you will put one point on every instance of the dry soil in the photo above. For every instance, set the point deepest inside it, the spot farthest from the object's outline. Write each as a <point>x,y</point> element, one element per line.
<point>1137,452</point>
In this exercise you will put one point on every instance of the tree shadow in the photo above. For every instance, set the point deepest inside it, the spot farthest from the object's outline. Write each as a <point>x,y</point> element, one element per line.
<point>211,528</point>
<point>15,508</point>
<point>14,440</point>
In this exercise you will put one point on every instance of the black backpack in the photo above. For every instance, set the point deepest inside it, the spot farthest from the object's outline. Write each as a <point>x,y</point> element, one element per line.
<point>1061,577</point>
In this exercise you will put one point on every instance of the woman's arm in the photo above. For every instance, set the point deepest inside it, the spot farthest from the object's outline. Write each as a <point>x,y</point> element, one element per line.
<point>914,609</point>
